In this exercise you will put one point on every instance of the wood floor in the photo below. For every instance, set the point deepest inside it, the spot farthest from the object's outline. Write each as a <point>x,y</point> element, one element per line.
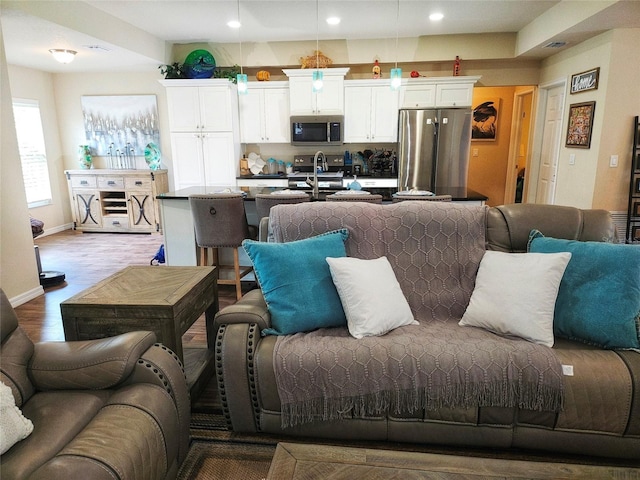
<point>85,259</point>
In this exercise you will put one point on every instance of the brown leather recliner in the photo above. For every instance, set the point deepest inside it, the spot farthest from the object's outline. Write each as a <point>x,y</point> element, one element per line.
<point>114,408</point>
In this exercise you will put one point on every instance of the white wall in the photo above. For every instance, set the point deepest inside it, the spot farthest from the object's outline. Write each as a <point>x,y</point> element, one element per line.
<point>27,83</point>
<point>69,88</point>
<point>18,272</point>
<point>590,182</point>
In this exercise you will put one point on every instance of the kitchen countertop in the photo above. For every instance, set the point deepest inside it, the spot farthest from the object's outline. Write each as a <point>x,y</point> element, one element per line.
<point>457,194</point>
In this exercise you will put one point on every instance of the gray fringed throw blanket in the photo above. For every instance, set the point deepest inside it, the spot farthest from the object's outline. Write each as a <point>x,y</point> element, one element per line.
<point>329,375</point>
<point>435,249</point>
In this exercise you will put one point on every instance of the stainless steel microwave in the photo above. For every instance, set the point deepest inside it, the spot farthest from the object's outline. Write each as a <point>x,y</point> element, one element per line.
<point>317,130</point>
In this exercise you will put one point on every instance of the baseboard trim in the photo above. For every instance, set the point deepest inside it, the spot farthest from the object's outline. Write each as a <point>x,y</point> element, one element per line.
<point>26,296</point>
<point>58,229</point>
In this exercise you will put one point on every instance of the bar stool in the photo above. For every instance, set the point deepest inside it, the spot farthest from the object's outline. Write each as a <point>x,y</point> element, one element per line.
<point>264,201</point>
<point>354,197</point>
<point>428,198</point>
<point>220,220</point>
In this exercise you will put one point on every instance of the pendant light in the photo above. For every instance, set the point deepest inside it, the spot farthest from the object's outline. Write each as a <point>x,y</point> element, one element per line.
<point>317,81</point>
<point>396,73</point>
<point>241,79</point>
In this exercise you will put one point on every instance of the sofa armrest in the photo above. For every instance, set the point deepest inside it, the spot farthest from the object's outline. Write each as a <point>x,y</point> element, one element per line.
<point>89,364</point>
<point>251,308</point>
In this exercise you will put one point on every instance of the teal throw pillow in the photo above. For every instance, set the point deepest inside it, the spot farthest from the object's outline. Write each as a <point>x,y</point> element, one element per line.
<point>296,282</point>
<point>599,297</point>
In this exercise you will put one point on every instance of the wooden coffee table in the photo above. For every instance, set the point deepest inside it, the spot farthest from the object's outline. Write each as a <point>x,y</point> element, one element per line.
<point>301,462</point>
<point>162,299</point>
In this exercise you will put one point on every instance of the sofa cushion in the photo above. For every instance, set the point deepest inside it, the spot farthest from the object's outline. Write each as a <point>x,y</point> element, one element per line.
<point>515,294</point>
<point>296,282</point>
<point>371,296</point>
<point>14,426</point>
<point>599,297</point>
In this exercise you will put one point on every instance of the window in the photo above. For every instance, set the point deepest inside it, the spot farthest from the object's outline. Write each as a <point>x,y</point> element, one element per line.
<point>35,170</point>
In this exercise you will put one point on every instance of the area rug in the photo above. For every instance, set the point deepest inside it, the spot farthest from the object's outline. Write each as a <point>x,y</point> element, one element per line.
<point>226,461</point>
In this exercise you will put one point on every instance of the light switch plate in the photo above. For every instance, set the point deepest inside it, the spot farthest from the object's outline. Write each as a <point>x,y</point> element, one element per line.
<point>613,161</point>
<point>572,159</point>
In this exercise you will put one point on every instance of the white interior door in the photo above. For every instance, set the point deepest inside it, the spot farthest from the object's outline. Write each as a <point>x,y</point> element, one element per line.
<point>550,148</point>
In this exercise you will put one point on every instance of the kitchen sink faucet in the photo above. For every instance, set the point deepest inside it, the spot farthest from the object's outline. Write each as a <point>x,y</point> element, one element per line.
<point>316,191</point>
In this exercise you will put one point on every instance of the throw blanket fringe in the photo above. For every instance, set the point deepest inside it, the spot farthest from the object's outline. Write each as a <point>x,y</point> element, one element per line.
<point>496,394</point>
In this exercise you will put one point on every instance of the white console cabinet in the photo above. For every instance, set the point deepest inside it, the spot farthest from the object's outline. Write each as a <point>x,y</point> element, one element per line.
<point>116,200</point>
<point>204,125</point>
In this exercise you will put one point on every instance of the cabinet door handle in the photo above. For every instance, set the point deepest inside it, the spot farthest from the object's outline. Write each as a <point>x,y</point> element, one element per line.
<point>111,182</point>
<point>84,182</point>
<point>115,222</point>
<point>138,182</point>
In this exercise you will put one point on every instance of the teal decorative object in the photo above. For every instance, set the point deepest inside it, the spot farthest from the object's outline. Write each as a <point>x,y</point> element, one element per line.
<point>296,282</point>
<point>152,156</point>
<point>599,297</point>
<point>200,64</point>
<point>84,156</point>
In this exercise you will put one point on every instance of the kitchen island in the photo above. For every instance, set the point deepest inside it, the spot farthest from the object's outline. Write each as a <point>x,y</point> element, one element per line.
<point>177,223</point>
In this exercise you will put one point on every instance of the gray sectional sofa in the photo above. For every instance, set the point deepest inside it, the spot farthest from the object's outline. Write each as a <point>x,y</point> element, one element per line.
<point>435,250</point>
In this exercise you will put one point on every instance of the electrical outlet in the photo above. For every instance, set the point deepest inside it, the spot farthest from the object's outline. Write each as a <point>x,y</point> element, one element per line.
<point>475,152</point>
<point>572,159</point>
<point>613,161</point>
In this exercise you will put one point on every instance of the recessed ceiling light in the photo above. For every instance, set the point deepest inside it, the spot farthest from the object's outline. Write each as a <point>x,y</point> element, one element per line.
<point>233,24</point>
<point>333,20</point>
<point>436,17</point>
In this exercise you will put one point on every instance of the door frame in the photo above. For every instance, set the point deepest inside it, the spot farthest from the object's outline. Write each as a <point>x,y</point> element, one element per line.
<point>532,178</point>
<point>514,144</point>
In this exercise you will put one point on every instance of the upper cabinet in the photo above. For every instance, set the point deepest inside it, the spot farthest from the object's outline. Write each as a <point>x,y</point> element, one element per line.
<point>304,101</point>
<point>370,111</point>
<point>206,108</point>
<point>205,139</point>
<point>264,113</point>
<point>438,92</point>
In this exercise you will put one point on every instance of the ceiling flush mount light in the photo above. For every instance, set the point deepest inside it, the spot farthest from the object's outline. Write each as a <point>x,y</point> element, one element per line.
<point>333,20</point>
<point>317,82</point>
<point>436,17</point>
<point>63,55</point>
<point>233,24</point>
<point>241,79</point>
<point>396,73</point>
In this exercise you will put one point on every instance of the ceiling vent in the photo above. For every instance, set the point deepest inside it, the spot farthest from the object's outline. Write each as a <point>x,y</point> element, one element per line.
<point>555,44</point>
<point>97,47</point>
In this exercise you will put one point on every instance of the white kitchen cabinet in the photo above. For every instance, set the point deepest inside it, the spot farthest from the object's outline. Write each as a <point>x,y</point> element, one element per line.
<point>371,112</point>
<point>204,125</point>
<point>436,92</point>
<point>454,94</point>
<point>205,108</point>
<point>304,101</point>
<point>419,96</point>
<point>264,113</point>
<point>202,159</point>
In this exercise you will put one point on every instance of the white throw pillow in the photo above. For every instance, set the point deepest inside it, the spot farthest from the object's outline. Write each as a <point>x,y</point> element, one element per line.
<point>13,425</point>
<point>371,296</point>
<point>515,294</point>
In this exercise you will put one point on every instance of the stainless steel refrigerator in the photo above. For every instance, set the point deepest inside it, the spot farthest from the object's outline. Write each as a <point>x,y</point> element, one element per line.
<point>433,149</point>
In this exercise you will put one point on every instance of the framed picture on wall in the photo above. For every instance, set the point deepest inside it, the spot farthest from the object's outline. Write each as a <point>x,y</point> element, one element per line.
<point>580,124</point>
<point>484,124</point>
<point>122,123</point>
